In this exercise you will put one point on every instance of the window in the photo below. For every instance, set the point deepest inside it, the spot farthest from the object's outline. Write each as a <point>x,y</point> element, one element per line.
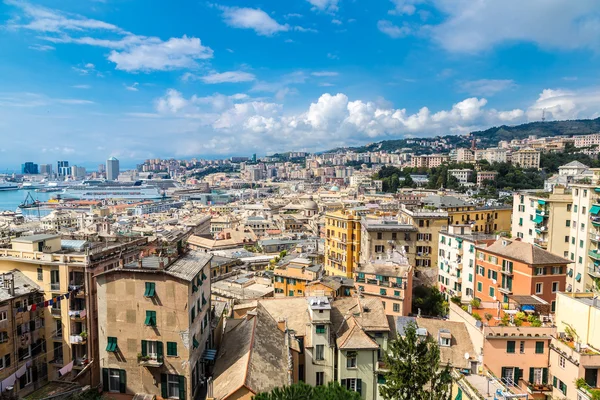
<point>555,286</point>
<point>172,349</point>
<point>3,315</point>
<point>575,208</point>
<point>568,224</point>
<point>479,287</point>
<point>581,244</point>
<point>470,277</point>
<point>175,386</point>
<point>566,239</point>
<point>351,359</point>
<point>583,210</point>
<point>379,249</point>
<point>320,379</point>
<point>536,376</point>
<point>569,207</point>
<point>383,292</point>
<point>562,362</point>
<point>379,235</point>
<point>111,344</point>
<point>150,289</point>
<point>480,270</point>
<point>321,328</point>
<point>492,292</point>
<point>394,235</point>
<point>113,380</point>
<point>150,318</point>
<point>522,347</point>
<point>445,342</point>
<point>510,346</point>
<point>396,307</point>
<point>40,274</point>
<point>320,352</point>
<point>539,288</point>
<point>539,347</point>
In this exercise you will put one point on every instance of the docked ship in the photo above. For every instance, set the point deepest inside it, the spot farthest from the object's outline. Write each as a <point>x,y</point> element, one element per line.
<point>111,190</point>
<point>5,185</point>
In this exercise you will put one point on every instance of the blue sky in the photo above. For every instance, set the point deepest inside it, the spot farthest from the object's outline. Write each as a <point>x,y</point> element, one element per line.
<point>137,79</point>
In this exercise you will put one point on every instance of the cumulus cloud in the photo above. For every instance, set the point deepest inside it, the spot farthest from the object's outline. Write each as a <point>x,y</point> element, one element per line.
<point>325,5</point>
<point>392,30</point>
<point>252,18</point>
<point>228,77</point>
<point>404,7</point>
<point>130,52</point>
<point>486,87</point>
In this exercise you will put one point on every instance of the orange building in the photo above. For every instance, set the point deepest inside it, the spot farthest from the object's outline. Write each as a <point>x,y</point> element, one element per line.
<point>511,267</point>
<point>291,279</point>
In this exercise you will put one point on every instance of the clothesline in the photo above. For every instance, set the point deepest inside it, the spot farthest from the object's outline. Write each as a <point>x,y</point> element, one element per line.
<point>48,303</point>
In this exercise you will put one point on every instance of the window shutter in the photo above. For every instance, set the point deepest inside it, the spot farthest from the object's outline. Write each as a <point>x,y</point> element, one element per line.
<point>22,382</point>
<point>531,375</point>
<point>544,376</point>
<point>503,373</point>
<point>159,348</point>
<point>181,387</point>
<point>105,379</point>
<point>554,381</point>
<point>122,381</point>
<point>519,374</point>
<point>144,352</point>
<point>359,386</point>
<point>34,373</point>
<point>344,383</point>
<point>164,392</point>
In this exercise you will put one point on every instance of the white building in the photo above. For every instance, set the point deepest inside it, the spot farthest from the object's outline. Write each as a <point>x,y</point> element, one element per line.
<point>112,169</point>
<point>463,175</point>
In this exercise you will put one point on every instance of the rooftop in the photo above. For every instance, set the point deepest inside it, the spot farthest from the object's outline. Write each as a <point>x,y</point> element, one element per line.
<point>524,252</point>
<point>34,238</point>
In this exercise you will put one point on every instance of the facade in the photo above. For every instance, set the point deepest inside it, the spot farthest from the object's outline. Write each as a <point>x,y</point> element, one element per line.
<point>429,161</point>
<point>62,168</point>
<point>512,267</point>
<point>155,317</point>
<point>29,168</point>
<point>574,355</point>
<point>462,175</point>
<point>59,268</point>
<point>483,176</point>
<point>526,158</point>
<point>342,242</point>
<point>389,279</point>
<point>291,279</point>
<point>112,169</point>
<point>591,141</point>
<point>456,260</point>
<point>381,235</point>
<point>428,224</point>
<point>465,156</point>
<point>492,155</point>
<point>542,220</point>
<point>46,169</point>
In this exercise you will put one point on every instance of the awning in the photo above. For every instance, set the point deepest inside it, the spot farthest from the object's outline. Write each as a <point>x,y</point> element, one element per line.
<point>542,202</point>
<point>459,394</point>
<point>459,240</point>
<point>570,273</point>
<point>209,355</point>
<point>578,277</point>
<point>538,219</point>
<point>597,190</point>
<point>195,343</point>
<point>595,209</point>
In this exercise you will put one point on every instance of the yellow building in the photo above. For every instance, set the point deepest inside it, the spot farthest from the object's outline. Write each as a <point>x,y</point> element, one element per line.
<point>428,224</point>
<point>342,242</point>
<point>526,158</point>
<point>155,318</point>
<point>59,267</point>
<point>291,279</point>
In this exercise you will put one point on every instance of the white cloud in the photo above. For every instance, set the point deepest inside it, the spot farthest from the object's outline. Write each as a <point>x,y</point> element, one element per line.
<point>325,5</point>
<point>42,47</point>
<point>336,22</point>
<point>175,53</point>
<point>252,18</point>
<point>473,26</point>
<point>228,77</point>
<point>404,7</point>
<point>333,56</point>
<point>325,73</point>
<point>392,30</point>
<point>133,88</point>
<point>487,87</point>
<point>74,101</point>
<point>130,52</point>
<point>292,15</point>
<point>562,104</point>
<point>326,84</point>
<point>81,87</point>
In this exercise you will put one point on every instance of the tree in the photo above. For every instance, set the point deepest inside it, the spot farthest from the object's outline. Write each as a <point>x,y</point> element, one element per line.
<point>414,371</point>
<point>429,301</point>
<point>302,391</point>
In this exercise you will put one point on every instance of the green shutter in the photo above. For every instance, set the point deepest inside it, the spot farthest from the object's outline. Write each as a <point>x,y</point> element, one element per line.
<point>181,387</point>
<point>531,374</point>
<point>554,381</point>
<point>194,288</point>
<point>164,390</point>
<point>203,276</point>
<point>195,343</point>
<point>544,375</point>
<point>539,347</point>
<point>359,386</point>
<point>105,379</point>
<point>159,349</point>
<point>122,381</point>
<point>203,300</point>
<point>172,349</point>
<point>193,313</point>
<point>144,351</point>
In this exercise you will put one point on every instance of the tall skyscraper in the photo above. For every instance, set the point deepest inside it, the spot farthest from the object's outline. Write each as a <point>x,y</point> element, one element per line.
<point>63,168</point>
<point>46,169</point>
<point>112,169</point>
<point>29,168</point>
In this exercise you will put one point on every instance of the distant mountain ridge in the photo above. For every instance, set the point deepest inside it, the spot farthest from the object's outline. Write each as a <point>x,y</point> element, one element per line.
<point>490,137</point>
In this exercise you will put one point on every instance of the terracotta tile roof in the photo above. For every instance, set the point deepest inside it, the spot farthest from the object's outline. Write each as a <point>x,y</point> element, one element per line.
<point>354,337</point>
<point>524,252</point>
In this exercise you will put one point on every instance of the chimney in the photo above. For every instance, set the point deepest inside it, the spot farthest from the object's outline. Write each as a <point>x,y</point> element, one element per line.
<point>161,264</point>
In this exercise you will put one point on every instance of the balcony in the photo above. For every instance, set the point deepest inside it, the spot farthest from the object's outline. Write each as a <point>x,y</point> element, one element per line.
<point>80,362</point>
<point>505,290</point>
<point>595,221</point>
<point>78,339</point>
<point>77,314</point>
<point>594,237</point>
<point>594,271</point>
<point>506,271</point>
<point>594,254</point>
<point>56,312</point>
<point>150,361</point>
<point>58,361</point>
<point>55,286</point>
<point>543,243</point>
<point>538,388</point>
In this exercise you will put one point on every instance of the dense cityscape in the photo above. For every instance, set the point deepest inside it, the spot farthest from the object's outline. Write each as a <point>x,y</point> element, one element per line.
<point>233,277</point>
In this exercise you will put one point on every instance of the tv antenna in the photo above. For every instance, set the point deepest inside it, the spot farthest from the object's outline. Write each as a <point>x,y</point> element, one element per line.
<point>544,115</point>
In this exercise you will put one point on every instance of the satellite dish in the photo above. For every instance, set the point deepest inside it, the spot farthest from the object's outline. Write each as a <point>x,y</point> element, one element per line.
<point>467,356</point>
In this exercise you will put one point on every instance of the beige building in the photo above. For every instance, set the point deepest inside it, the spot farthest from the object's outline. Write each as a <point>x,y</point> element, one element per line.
<point>483,176</point>
<point>462,175</point>
<point>574,352</point>
<point>541,219</point>
<point>58,268</point>
<point>526,158</point>
<point>155,318</point>
<point>429,161</point>
<point>492,155</point>
<point>465,156</point>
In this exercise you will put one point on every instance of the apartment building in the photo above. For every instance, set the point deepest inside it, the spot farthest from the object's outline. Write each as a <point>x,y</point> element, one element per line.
<point>462,175</point>
<point>61,268</point>
<point>291,279</point>
<point>526,158</point>
<point>486,176</point>
<point>512,267</point>
<point>389,279</point>
<point>342,242</point>
<point>483,219</point>
<point>542,219</point>
<point>574,352</point>
<point>429,161</point>
<point>592,141</point>
<point>155,318</point>
<point>381,235</point>
<point>23,345</point>
<point>584,230</point>
<point>457,259</point>
<point>465,156</point>
<point>492,155</point>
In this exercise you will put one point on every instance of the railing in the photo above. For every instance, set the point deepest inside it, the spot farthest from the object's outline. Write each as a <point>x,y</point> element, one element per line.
<point>76,314</point>
<point>594,254</point>
<point>150,361</point>
<point>55,286</point>
<point>56,312</point>
<point>77,339</point>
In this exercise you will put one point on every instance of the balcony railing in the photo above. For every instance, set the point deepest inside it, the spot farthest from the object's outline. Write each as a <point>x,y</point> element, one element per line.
<point>78,339</point>
<point>55,286</point>
<point>595,254</point>
<point>77,314</point>
<point>150,361</point>
<point>594,271</point>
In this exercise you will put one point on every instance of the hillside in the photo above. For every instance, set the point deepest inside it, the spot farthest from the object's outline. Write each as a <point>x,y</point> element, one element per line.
<point>490,137</point>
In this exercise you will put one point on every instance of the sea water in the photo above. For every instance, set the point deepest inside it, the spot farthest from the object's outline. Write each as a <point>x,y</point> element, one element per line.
<point>10,199</point>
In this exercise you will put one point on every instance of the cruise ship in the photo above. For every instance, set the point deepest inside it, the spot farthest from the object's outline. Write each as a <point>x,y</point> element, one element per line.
<point>106,191</point>
<point>4,185</point>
